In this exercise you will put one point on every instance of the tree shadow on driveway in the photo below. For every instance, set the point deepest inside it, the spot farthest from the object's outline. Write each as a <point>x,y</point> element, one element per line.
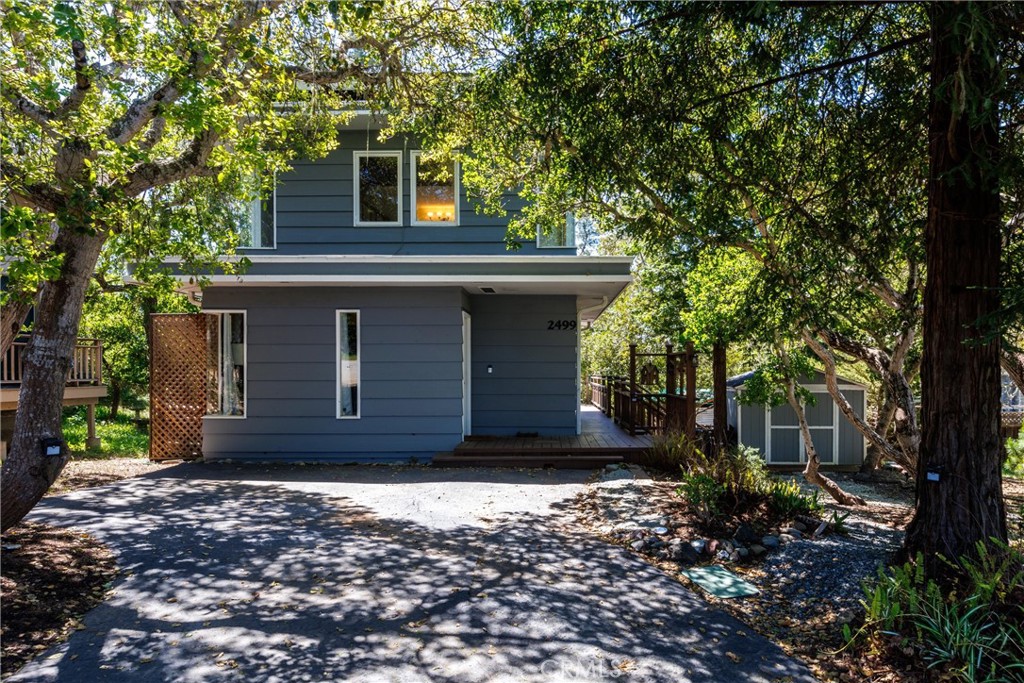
<point>375,574</point>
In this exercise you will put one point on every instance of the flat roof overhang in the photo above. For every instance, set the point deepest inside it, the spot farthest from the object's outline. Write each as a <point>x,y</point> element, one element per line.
<point>595,281</point>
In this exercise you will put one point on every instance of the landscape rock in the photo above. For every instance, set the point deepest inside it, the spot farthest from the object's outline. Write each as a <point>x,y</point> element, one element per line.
<point>637,545</point>
<point>698,545</point>
<point>800,526</point>
<point>758,550</point>
<point>712,546</point>
<point>770,541</point>
<point>660,530</point>
<point>743,553</point>
<point>786,538</point>
<point>792,531</point>
<point>617,475</point>
<point>684,553</point>
<point>745,534</point>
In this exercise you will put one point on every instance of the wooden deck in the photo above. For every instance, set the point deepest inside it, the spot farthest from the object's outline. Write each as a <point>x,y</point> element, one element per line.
<point>601,442</point>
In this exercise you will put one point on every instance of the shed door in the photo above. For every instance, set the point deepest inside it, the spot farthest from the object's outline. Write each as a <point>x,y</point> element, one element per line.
<point>821,418</point>
<point>177,385</point>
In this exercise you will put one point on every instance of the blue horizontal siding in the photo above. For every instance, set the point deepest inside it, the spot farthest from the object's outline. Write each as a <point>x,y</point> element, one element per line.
<point>532,383</point>
<point>410,374</point>
<point>314,204</point>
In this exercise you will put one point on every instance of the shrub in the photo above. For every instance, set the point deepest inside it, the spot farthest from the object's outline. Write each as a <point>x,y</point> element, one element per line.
<point>704,495</point>
<point>672,453</point>
<point>977,637</point>
<point>787,499</point>
<point>1014,463</point>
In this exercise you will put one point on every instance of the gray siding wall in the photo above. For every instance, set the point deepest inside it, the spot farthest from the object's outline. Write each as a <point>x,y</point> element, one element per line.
<point>533,384</point>
<point>411,375</point>
<point>751,431</point>
<point>314,206</point>
<point>851,441</point>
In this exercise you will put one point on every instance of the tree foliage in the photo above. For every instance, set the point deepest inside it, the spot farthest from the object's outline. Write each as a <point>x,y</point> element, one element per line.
<point>135,126</point>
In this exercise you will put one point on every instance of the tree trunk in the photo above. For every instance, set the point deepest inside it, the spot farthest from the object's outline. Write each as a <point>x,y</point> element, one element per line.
<point>721,418</point>
<point>1013,364</point>
<point>811,470</point>
<point>896,381</point>
<point>27,473</point>
<point>115,400</point>
<point>886,412</point>
<point>12,319</point>
<point>959,481</point>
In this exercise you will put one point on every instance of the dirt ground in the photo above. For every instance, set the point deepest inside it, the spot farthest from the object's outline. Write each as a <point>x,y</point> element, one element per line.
<point>86,473</point>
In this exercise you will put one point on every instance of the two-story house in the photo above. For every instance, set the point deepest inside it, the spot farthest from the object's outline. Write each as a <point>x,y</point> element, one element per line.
<point>384,318</point>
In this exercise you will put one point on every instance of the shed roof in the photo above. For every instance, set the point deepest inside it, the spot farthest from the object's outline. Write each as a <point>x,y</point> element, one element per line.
<point>817,378</point>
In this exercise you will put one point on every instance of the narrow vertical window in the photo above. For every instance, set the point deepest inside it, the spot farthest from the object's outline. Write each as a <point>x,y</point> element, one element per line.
<point>435,191</point>
<point>378,188</point>
<point>260,230</point>
<point>225,339</point>
<point>348,364</point>
<point>558,236</point>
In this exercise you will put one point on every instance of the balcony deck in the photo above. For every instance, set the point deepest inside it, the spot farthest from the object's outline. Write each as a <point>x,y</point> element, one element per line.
<point>84,385</point>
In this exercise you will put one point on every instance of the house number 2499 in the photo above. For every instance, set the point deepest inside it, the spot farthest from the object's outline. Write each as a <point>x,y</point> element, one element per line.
<point>561,324</point>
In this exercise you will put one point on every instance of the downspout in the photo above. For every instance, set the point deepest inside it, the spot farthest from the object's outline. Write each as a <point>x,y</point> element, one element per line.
<point>602,305</point>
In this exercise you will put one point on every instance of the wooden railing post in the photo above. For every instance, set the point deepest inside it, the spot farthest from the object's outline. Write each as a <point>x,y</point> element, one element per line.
<point>691,393</point>
<point>720,411</point>
<point>99,362</point>
<point>671,393</point>
<point>632,408</point>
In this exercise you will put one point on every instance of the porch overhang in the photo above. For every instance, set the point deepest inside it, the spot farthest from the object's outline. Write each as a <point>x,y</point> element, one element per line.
<point>594,281</point>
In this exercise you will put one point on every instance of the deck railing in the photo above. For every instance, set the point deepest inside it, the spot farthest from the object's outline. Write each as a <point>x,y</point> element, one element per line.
<point>638,411</point>
<point>86,363</point>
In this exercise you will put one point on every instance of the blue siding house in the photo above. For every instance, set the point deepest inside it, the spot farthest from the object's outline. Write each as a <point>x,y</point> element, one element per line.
<point>383,318</point>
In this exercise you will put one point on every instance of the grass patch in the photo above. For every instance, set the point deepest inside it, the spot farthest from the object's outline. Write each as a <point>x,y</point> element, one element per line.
<point>120,438</point>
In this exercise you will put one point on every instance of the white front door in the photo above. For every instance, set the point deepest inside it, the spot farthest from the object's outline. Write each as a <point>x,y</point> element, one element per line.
<point>467,378</point>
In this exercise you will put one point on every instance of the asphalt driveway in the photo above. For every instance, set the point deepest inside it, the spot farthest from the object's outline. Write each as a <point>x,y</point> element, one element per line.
<point>378,574</point>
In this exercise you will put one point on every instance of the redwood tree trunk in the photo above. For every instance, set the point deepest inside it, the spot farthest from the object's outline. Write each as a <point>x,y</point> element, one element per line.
<point>959,482</point>
<point>27,473</point>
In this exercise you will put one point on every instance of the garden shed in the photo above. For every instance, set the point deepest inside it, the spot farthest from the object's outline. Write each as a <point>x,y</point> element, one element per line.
<point>775,431</point>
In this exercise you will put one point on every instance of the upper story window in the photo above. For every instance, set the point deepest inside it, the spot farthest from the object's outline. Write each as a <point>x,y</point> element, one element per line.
<point>435,191</point>
<point>259,231</point>
<point>377,196</point>
<point>559,236</point>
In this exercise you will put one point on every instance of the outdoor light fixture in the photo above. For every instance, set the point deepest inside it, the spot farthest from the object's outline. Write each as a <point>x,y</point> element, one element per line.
<point>51,447</point>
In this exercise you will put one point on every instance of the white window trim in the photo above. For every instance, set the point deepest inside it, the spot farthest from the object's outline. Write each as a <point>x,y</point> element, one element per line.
<point>245,352</point>
<point>413,163</point>
<point>357,221</point>
<point>337,364</point>
<point>259,200</point>
<point>813,388</point>
<point>570,219</point>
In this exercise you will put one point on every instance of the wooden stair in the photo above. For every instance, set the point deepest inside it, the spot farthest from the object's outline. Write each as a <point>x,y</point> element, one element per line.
<point>527,458</point>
